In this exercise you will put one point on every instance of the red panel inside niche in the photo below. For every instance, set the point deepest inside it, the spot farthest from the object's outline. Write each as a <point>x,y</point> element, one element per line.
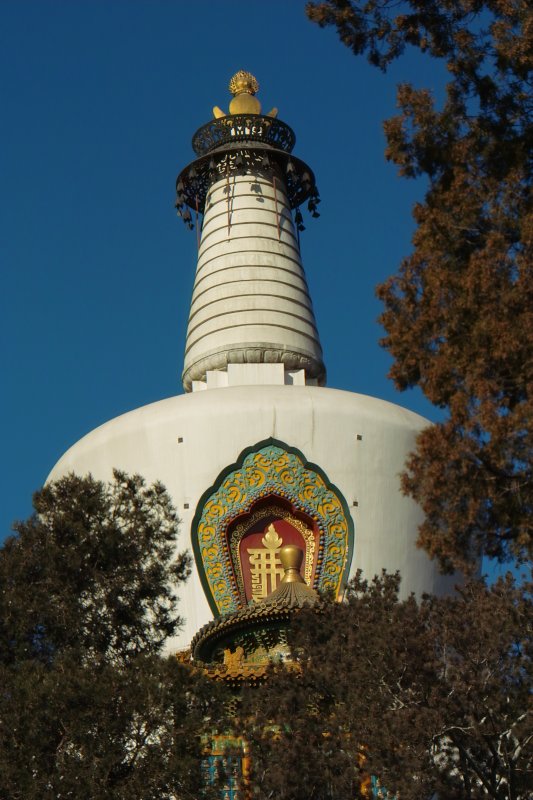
<point>260,570</point>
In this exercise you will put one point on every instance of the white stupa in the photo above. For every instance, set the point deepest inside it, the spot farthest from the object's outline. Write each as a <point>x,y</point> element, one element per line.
<point>257,451</point>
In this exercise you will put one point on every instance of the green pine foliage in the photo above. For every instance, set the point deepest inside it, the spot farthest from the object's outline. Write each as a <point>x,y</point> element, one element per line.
<point>458,315</point>
<point>89,708</point>
<point>431,697</point>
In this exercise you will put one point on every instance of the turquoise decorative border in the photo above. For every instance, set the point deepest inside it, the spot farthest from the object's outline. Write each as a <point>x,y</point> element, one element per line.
<point>269,469</point>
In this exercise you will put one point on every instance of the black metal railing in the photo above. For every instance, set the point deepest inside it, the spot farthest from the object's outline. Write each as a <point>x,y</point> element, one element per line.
<point>243,128</point>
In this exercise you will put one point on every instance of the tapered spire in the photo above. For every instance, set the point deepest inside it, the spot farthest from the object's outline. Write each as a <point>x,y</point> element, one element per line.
<point>250,302</point>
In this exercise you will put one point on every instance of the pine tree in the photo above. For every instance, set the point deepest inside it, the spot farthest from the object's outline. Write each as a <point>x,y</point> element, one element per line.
<point>459,313</point>
<point>88,706</point>
<point>432,698</point>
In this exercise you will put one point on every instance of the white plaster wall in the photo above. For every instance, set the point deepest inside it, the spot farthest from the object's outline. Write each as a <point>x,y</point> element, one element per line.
<point>250,299</point>
<point>218,424</point>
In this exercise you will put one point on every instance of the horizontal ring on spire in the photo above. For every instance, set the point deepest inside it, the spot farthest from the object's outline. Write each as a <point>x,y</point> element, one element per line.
<point>243,128</point>
<point>194,181</point>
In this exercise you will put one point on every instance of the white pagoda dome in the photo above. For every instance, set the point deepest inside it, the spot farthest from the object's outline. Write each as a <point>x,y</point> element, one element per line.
<point>258,453</point>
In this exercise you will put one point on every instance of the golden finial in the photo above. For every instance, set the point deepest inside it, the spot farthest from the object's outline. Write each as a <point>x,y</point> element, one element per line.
<point>291,559</point>
<point>243,87</point>
<point>243,82</point>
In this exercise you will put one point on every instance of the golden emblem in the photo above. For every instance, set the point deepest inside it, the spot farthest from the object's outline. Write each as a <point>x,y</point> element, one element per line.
<point>266,569</point>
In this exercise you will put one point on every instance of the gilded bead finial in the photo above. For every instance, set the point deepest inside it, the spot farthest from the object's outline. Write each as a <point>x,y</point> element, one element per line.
<point>243,87</point>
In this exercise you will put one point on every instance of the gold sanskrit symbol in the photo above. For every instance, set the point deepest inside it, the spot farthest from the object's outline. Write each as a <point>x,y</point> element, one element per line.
<point>265,566</point>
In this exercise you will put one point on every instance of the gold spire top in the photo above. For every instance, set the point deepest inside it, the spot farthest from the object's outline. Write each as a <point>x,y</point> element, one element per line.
<point>243,87</point>
<point>243,82</point>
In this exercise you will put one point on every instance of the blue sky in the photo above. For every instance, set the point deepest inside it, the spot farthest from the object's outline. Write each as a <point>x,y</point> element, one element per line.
<point>100,99</point>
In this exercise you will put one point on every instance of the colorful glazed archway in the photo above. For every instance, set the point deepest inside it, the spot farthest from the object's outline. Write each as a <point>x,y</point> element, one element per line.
<point>271,494</point>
